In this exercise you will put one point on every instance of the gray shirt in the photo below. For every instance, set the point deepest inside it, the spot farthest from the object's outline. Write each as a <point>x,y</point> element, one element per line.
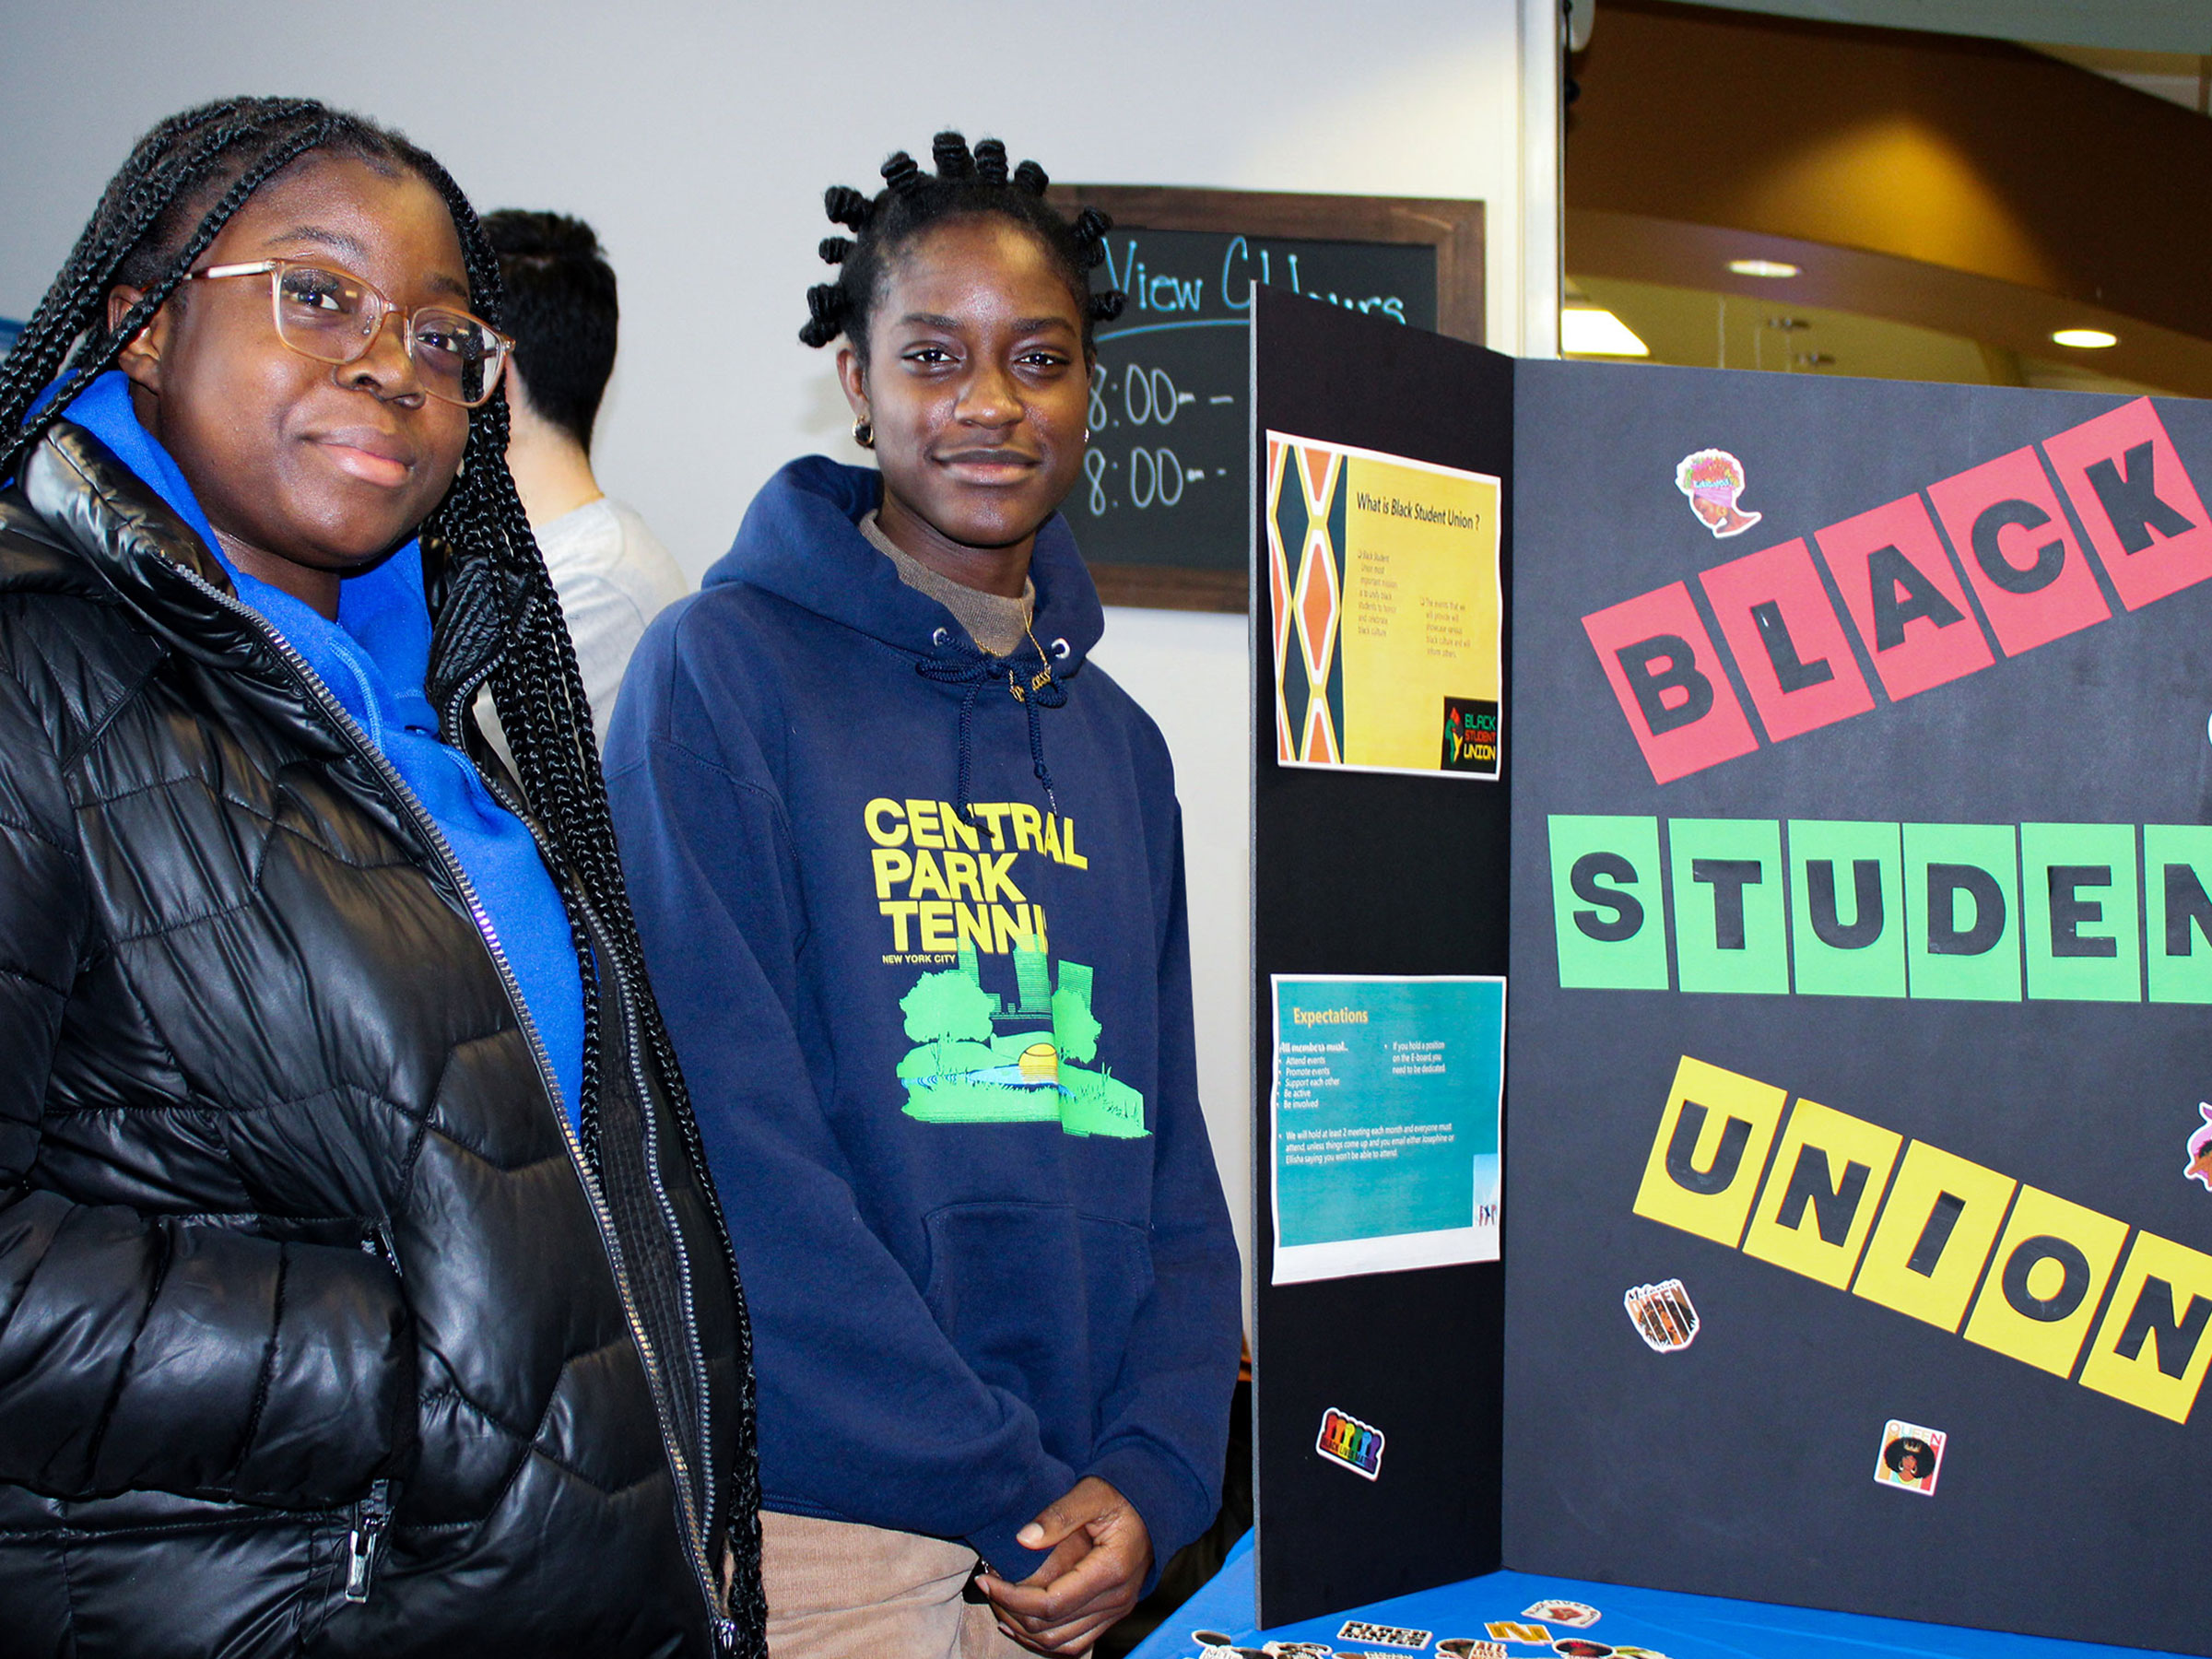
<point>997,624</point>
<point>613,577</point>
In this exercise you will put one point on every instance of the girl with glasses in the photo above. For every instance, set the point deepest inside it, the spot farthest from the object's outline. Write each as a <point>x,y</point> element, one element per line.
<point>910,872</point>
<point>362,1290</point>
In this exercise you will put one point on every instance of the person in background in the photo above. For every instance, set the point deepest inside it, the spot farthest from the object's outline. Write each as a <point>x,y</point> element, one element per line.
<point>909,871</point>
<point>362,1291</point>
<point>611,572</point>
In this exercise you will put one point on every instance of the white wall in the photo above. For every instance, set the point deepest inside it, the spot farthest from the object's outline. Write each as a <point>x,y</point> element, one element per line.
<point>698,136</point>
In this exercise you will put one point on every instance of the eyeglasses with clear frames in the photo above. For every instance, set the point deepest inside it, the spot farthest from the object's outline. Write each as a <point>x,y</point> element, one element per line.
<point>333,316</point>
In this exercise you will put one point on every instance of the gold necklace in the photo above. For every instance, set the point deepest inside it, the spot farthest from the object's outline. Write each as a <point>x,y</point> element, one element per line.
<point>1042,677</point>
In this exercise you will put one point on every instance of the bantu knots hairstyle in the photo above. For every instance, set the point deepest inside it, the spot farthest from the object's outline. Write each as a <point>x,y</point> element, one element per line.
<point>561,311</point>
<point>967,183</point>
<point>496,617</point>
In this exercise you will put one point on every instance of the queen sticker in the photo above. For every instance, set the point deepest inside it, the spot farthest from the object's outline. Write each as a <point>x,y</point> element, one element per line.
<point>1911,1457</point>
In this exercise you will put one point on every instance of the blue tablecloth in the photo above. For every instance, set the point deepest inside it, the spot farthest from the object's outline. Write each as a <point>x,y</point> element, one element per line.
<point>1657,1622</point>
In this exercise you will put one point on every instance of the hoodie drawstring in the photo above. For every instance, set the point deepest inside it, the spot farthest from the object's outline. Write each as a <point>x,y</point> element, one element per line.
<point>962,663</point>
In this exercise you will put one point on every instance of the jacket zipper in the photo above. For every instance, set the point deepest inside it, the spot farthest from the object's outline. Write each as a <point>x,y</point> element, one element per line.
<point>694,1526</point>
<point>364,1542</point>
<point>370,1517</point>
<point>725,1628</point>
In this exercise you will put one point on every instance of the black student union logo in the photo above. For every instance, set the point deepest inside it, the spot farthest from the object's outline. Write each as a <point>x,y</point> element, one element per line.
<point>1471,734</point>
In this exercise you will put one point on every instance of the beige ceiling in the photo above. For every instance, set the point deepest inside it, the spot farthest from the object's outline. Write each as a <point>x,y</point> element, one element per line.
<point>2163,25</point>
<point>1700,329</point>
<point>2178,77</point>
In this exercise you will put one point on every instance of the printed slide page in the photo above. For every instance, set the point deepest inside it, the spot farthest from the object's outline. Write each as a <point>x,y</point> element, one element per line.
<point>1385,1112</point>
<point>1383,579</point>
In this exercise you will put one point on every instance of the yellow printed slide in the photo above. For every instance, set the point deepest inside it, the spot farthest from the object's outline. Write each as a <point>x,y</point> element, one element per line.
<point>1383,589</point>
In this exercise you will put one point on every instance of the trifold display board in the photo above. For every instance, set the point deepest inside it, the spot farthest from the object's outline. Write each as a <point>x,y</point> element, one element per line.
<point>1856,1167</point>
<point>1387,875</point>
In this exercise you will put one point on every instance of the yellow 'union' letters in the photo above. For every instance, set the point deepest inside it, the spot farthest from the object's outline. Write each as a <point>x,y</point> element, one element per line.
<point>1826,1207</point>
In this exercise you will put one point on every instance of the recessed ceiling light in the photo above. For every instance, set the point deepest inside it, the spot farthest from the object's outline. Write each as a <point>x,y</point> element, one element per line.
<point>1589,331</point>
<point>2086,339</point>
<point>1761,267</point>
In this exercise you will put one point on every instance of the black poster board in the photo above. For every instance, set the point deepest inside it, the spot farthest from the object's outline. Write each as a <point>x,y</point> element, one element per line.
<point>1964,748</point>
<point>1369,874</point>
<point>1160,512</point>
<point>1858,1177</point>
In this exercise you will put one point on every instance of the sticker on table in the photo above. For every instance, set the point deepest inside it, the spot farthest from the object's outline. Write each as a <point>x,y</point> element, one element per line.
<point>1710,480</point>
<point>1470,1647</point>
<point>1395,1636</point>
<point>1663,1318</point>
<point>1344,1439</point>
<point>1387,611</point>
<point>1582,1647</point>
<point>2199,1167</point>
<point>1219,1644</point>
<point>1911,1457</point>
<point>1535,1635</point>
<point>1579,1615</point>
<point>1300,1649</point>
<point>1383,1123</point>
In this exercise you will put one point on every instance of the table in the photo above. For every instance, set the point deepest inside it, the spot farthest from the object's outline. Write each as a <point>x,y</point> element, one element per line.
<point>1642,1624</point>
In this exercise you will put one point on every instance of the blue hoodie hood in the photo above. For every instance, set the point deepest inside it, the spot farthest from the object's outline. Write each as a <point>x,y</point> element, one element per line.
<point>800,541</point>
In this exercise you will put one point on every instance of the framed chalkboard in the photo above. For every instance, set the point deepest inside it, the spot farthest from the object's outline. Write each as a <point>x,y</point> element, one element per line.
<point>1163,513</point>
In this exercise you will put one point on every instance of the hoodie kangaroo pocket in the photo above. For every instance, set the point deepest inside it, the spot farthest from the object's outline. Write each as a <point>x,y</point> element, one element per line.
<point>1039,1300</point>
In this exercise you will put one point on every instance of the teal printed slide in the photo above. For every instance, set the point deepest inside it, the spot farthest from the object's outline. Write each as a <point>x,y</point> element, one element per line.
<point>1385,1112</point>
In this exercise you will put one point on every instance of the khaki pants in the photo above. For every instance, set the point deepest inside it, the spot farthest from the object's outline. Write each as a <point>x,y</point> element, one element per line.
<point>839,1590</point>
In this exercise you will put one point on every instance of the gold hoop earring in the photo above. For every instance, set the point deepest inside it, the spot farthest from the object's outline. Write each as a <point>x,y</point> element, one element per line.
<point>864,433</point>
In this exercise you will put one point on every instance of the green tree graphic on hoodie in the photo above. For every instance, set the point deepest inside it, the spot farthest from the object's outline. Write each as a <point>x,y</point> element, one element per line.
<point>980,1061</point>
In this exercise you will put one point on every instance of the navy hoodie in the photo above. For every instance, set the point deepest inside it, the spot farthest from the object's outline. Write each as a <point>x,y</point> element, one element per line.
<point>942,1060</point>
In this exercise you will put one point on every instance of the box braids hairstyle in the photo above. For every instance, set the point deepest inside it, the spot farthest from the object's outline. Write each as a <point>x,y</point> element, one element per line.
<point>966,184</point>
<point>496,615</point>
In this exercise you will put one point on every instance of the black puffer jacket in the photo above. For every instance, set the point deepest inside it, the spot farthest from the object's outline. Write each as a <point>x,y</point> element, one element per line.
<point>292,1232</point>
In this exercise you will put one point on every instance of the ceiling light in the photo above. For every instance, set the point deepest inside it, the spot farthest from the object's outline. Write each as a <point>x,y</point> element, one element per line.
<point>1761,267</point>
<point>1589,331</point>
<point>2086,339</point>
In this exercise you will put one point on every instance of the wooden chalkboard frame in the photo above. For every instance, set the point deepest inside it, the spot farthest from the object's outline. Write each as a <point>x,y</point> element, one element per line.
<point>1453,227</point>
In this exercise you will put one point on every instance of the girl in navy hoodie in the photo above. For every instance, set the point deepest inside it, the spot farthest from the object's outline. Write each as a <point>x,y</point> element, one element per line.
<point>910,877</point>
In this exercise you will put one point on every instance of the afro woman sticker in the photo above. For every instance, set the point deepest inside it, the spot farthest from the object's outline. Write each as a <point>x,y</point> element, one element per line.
<point>1711,479</point>
<point>1911,1457</point>
<point>2199,1167</point>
